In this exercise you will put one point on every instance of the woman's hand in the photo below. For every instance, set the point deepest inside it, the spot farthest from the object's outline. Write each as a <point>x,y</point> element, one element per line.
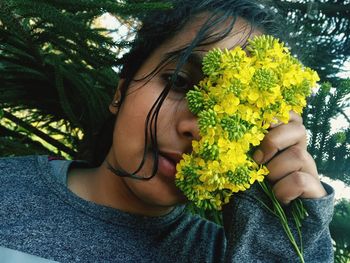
<point>293,171</point>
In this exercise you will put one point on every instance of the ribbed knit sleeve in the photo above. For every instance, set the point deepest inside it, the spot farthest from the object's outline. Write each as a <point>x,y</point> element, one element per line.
<point>255,235</point>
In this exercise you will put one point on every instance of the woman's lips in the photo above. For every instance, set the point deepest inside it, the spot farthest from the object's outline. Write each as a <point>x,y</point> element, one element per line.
<point>167,164</point>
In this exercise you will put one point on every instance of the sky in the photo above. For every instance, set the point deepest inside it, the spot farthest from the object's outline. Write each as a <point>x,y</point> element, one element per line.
<point>341,190</point>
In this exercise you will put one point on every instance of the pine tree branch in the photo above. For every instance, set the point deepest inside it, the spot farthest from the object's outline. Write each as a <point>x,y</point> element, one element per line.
<point>39,133</point>
<point>330,10</point>
<point>23,139</point>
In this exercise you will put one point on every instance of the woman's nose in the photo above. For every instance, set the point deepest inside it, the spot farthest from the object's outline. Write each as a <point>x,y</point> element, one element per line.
<point>187,126</point>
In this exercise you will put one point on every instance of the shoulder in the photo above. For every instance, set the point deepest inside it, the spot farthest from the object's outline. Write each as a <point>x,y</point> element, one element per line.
<point>22,167</point>
<point>13,163</point>
<point>17,159</point>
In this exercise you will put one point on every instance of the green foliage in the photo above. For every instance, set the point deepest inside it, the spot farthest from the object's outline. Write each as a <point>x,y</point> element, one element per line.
<point>319,31</point>
<point>331,151</point>
<point>21,144</point>
<point>340,231</point>
<point>56,67</point>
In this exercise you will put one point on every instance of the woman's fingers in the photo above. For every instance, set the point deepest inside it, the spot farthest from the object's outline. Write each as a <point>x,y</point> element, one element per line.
<point>280,138</point>
<point>293,171</point>
<point>298,184</point>
<point>293,117</point>
<point>294,158</point>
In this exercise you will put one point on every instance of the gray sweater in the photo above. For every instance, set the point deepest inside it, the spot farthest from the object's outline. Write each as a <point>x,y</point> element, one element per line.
<point>41,217</point>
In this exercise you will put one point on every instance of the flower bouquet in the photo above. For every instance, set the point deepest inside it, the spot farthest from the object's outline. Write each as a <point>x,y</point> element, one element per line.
<point>242,94</point>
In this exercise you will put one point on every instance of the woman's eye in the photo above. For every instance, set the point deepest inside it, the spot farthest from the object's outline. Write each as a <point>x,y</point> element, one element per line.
<point>181,84</point>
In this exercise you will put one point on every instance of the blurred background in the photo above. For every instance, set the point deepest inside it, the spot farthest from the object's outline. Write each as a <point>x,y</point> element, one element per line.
<point>59,64</point>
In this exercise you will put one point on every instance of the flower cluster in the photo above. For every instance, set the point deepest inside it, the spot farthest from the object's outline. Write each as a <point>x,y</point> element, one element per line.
<point>241,95</point>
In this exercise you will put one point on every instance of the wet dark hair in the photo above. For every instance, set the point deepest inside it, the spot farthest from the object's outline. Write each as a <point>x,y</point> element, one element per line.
<point>160,26</point>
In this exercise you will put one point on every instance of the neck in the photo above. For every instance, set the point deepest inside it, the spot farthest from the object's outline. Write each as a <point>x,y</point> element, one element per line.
<point>101,186</point>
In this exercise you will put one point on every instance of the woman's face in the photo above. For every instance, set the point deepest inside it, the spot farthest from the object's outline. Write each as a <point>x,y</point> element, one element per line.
<point>176,125</point>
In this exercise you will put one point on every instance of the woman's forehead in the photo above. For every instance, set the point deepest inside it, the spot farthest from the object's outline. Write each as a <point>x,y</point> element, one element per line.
<point>240,33</point>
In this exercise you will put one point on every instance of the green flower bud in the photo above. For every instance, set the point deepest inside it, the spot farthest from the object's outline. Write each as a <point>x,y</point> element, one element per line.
<point>260,44</point>
<point>240,176</point>
<point>235,126</point>
<point>207,119</point>
<point>264,79</point>
<point>195,100</point>
<point>289,97</point>
<point>212,62</point>
<point>236,87</point>
<point>304,88</point>
<point>209,152</point>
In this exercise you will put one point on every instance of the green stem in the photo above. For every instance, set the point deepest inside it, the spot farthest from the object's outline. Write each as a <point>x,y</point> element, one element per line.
<point>298,213</point>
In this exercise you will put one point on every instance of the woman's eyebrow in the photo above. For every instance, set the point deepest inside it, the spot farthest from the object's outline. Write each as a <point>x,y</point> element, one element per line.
<point>196,60</point>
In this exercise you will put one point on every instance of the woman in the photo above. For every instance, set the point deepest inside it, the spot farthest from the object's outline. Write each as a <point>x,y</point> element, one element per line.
<point>128,209</point>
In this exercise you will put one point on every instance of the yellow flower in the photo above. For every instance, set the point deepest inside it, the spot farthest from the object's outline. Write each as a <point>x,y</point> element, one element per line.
<point>236,102</point>
<point>292,77</point>
<point>245,75</point>
<point>258,175</point>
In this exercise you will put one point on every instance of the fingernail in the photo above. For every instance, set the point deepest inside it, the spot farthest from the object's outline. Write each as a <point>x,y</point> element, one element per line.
<point>258,156</point>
